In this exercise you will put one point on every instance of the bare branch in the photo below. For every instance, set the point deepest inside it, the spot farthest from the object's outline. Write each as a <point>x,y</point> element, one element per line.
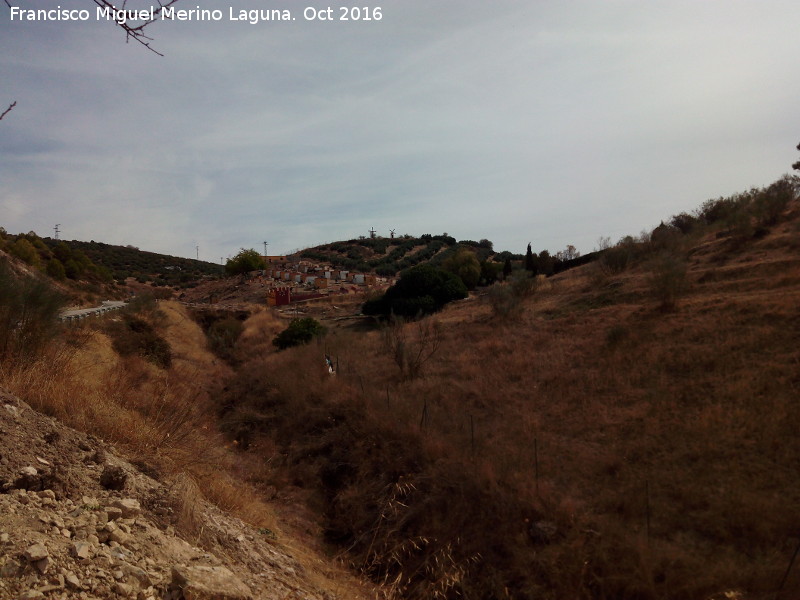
<point>8,110</point>
<point>135,32</point>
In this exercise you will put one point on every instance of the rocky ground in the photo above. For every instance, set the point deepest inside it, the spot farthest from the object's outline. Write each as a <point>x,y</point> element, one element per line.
<point>79,522</point>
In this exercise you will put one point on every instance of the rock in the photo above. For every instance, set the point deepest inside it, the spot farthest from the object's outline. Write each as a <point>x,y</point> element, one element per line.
<point>128,506</point>
<point>208,583</point>
<point>28,479</point>
<point>123,589</point>
<point>137,573</point>
<point>10,568</point>
<point>4,538</point>
<point>35,552</point>
<point>42,565</point>
<point>81,550</point>
<point>118,536</point>
<point>113,512</point>
<point>113,478</point>
<point>89,502</point>
<point>72,581</point>
<point>30,595</point>
<point>99,456</point>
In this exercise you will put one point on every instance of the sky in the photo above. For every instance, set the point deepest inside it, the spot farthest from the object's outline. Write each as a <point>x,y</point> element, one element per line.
<point>549,122</point>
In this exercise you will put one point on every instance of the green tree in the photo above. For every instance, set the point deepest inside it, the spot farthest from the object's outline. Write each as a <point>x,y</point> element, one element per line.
<point>796,166</point>
<point>62,252</point>
<point>299,332</point>
<point>545,263</point>
<point>72,269</point>
<point>421,290</point>
<point>490,272</point>
<point>55,268</point>
<point>464,264</point>
<point>25,251</point>
<point>244,262</point>
<point>507,268</point>
<point>530,261</point>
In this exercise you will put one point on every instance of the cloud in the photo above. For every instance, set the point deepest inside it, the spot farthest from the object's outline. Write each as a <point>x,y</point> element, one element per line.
<point>505,120</point>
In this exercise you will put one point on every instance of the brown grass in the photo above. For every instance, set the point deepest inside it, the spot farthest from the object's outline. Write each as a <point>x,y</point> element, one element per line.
<point>665,443</point>
<point>163,417</point>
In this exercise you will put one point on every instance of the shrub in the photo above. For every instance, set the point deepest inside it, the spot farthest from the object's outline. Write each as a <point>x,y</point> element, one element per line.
<point>465,265</point>
<point>55,269</point>
<point>421,290</point>
<point>223,335</point>
<point>668,280</point>
<point>506,299</point>
<point>25,251</point>
<point>771,202</point>
<point>136,336</point>
<point>410,350</point>
<point>28,311</point>
<point>299,332</point>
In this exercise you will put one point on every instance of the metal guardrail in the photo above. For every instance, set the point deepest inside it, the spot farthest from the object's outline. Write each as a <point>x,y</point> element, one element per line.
<point>73,316</point>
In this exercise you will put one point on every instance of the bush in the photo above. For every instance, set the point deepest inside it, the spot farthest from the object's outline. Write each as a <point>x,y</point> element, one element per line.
<point>506,299</point>
<point>223,335</point>
<point>772,201</point>
<point>299,332</point>
<point>28,314</point>
<point>464,264</point>
<point>421,290</point>
<point>668,280</point>
<point>411,350</point>
<point>136,336</point>
<point>25,251</point>
<point>55,269</point>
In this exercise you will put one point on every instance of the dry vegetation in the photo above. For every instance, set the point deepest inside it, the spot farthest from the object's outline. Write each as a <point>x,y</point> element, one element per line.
<point>160,416</point>
<point>625,429</point>
<point>627,434</point>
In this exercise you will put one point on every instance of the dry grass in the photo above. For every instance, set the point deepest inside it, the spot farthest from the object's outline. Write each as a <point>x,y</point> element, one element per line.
<point>163,417</point>
<point>662,446</point>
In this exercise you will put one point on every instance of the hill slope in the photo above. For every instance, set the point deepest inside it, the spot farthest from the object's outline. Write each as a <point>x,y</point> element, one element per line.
<point>628,433</point>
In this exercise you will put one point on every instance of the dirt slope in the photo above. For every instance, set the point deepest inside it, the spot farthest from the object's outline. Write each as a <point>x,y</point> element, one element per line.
<point>78,521</point>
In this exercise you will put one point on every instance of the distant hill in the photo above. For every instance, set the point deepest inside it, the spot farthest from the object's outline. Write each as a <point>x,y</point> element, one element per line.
<point>388,256</point>
<point>129,261</point>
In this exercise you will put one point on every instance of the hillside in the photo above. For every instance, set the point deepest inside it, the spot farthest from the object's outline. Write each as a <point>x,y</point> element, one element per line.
<point>622,429</point>
<point>160,269</point>
<point>625,429</point>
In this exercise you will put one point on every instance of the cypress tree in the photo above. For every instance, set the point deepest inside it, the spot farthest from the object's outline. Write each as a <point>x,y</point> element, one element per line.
<point>530,261</point>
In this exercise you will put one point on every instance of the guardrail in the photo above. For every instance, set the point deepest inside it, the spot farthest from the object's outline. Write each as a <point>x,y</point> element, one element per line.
<point>74,316</point>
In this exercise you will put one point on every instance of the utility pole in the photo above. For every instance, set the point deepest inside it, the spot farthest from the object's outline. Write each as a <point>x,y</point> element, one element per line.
<point>265,250</point>
<point>56,229</point>
<point>197,248</point>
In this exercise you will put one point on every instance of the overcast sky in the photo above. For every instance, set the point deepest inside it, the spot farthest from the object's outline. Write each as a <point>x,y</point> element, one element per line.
<point>554,122</point>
